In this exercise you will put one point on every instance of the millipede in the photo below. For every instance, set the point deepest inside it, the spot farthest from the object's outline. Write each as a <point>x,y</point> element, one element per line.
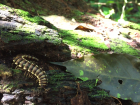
<point>21,62</point>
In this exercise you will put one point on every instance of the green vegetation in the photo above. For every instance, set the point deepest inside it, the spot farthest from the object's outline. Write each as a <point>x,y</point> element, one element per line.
<point>88,43</point>
<point>81,41</point>
<point>16,71</point>
<point>126,10</point>
<point>78,40</point>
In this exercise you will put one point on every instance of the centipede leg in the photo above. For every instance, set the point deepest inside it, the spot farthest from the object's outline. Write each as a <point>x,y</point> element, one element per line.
<point>25,74</point>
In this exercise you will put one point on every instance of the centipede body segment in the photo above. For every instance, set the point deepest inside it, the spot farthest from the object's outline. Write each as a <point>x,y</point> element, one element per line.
<point>26,65</point>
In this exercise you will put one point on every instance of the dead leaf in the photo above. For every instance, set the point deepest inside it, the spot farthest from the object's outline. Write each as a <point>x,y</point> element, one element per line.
<point>80,27</point>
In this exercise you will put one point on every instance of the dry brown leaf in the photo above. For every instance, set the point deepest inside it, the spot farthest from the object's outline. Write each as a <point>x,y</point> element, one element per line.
<point>80,27</point>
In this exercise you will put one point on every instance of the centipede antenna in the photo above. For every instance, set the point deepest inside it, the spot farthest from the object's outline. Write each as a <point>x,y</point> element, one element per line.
<point>31,57</point>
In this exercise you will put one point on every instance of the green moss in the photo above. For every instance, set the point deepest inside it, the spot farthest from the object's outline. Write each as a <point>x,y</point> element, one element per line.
<point>5,71</point>
<point>22,13</point>
<point>5,86</point>
<point>123,47</point>
<point>91,85</point>
<point>101,93</point>
<point>28,30</point>
<point>16,71</point>
<point>34,19</point>
<point>77,13</point>
<point>57,78</point>
<point>131,25</point>
<point>1,5</point>
<point>87,43</point>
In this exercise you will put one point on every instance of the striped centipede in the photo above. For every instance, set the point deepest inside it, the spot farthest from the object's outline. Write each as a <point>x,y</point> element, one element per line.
<point>22,62</point>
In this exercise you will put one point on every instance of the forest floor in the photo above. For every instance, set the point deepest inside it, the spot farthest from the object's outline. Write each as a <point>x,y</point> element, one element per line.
<point>82,28</point>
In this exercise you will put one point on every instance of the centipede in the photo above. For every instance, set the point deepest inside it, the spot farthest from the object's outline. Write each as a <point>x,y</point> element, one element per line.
<point>21,62</point>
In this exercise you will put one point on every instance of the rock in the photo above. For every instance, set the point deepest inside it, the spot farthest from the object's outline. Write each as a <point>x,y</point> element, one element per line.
<point>12,38</point>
